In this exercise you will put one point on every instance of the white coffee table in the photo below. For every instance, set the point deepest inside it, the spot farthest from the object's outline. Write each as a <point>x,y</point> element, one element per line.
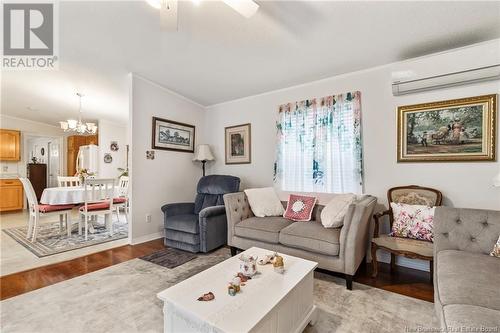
<point>270,302</point>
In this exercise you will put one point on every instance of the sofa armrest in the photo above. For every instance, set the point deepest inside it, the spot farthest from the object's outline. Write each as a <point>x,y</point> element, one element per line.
<point>212,211</point>
<point>237,209</point>
<point>178,208</point>
<point>354,233</point>
<point>213,228</point>
<point>470,230</point>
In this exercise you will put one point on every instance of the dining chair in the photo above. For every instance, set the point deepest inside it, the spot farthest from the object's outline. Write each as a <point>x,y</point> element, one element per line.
<point>121,201</point>
<point>68,181</point>
<point>98,196</point>
<point>36,211</point>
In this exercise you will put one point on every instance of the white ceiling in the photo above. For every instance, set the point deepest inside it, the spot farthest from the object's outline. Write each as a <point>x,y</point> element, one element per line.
<point>217,55</point>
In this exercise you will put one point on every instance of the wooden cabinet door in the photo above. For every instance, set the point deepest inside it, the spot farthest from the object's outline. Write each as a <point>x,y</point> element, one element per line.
<point>92,140</point>
<point>11,195</point>
<point>10,145</point>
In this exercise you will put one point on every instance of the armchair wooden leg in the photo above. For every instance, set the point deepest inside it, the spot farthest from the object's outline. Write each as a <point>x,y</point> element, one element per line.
<point>393,262</point>
<point>348,281</point>
<point>374,261</point>
<point>234,251</point>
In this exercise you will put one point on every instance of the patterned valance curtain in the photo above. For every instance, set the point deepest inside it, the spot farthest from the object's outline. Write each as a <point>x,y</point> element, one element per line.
<point>319,146</point>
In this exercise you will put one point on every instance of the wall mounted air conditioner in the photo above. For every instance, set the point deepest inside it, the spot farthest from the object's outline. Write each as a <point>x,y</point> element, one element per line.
<point>404,87</point>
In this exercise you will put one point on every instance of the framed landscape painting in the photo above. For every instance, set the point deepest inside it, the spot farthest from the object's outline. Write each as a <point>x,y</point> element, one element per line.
<point>238,144</point>
<point>172,135</point>
<point>455,130</point>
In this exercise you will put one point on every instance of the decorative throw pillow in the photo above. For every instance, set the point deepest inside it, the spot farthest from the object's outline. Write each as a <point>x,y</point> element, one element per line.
<point>412,221</point>
<point>299,208</point>
<point>332,215</point>
<point>264,202</point>
<point>496,249</point>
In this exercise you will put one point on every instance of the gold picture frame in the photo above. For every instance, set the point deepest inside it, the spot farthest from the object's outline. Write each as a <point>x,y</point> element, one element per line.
<point>238,144</point>
<point>458,130</point>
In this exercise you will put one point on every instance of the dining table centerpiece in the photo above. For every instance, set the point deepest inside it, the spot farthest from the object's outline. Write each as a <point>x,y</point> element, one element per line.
<point>83,174</point>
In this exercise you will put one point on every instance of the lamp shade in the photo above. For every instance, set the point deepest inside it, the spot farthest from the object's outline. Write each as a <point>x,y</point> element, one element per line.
<point>203,153</point>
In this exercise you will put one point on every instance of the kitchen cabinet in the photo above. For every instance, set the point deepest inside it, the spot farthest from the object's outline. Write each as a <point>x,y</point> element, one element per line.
<point>11,195</point>
<point>74,143</point>
<point>10,148</point>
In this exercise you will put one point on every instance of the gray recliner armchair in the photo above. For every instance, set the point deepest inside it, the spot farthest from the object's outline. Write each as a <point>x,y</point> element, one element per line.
<point>200,226</point>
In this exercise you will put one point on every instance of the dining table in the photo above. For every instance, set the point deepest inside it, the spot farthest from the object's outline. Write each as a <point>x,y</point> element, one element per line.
<point>73,195</point>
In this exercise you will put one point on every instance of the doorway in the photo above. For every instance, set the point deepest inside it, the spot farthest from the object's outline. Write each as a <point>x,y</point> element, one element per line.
<point>44,152</point>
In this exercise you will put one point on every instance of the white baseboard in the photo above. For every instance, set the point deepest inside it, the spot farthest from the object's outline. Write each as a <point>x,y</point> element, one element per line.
<point>146,238</point>
<point>421,265</point>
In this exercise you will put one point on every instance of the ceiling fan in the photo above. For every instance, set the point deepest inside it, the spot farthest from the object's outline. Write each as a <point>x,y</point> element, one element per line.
<point>168,10</point>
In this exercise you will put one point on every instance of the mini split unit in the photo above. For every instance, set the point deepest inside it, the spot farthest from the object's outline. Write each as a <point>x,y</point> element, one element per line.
<point>446,80</point>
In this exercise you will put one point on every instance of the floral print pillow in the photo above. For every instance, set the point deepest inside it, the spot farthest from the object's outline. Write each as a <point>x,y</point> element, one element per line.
<point>412,221</point>
<point>496,249</point>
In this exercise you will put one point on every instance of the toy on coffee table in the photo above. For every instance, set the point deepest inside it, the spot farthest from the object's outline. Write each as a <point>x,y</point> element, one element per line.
<point>207,297</point>
<point>248,265</point>
<point>278,264</point>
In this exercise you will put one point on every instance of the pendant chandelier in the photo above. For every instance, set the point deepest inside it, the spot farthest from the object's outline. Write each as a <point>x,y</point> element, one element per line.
<point>72,125</point>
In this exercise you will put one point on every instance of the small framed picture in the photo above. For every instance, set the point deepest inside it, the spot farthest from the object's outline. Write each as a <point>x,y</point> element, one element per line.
<point>108,158</point>
<point>238,144</point>
<point>172,135</point>
<point>114,146</point>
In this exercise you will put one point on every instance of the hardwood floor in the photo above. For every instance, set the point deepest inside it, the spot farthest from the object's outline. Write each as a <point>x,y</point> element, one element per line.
<point>23,282</point>
<point>403,281</point>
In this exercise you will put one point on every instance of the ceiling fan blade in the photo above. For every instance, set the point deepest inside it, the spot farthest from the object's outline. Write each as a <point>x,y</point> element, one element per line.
<point>168,15</point>
<point>247,8</point>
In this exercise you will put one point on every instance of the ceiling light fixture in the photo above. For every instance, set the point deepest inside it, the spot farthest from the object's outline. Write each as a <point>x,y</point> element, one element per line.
<point>168,10</point>
<point>247,8</point>
<point>72,125</point>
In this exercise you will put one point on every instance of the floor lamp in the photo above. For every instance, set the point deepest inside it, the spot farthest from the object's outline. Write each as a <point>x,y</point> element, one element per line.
<point>203,154</point>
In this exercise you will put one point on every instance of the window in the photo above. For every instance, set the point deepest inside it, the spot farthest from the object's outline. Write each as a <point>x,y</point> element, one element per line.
<point>319,146</point>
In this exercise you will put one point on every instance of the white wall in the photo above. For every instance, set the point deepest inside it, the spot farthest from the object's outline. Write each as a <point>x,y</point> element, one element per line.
<point>463,184</point>
<point>28,128</point>
<point>171,176</point>
<point>108,132</point>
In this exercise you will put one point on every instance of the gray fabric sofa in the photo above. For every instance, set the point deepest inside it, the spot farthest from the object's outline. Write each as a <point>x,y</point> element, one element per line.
<point>466,277</point>
<point>335,249</point>
<point>200,226</point>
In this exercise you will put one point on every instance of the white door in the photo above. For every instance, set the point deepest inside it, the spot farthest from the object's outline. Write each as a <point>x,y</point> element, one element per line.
<point>53,163</point>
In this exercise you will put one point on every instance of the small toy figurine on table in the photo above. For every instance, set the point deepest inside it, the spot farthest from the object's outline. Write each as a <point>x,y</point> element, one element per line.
<point>278,264</point>
<point>207,297</point>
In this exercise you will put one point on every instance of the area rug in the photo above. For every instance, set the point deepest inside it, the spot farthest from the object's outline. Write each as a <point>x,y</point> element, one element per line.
<point>52,241</point>
<point>169,258</point>
<point>122,298</point>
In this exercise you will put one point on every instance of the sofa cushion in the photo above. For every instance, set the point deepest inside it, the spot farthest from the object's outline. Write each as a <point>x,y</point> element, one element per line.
<point>264,202</point>
<point>262,228</point>
<point>186,223</point>
<point>311,236</point>
<point>468,278</point>
<point>460,315</point>
<point>333,214</point>
<point>423,248</point>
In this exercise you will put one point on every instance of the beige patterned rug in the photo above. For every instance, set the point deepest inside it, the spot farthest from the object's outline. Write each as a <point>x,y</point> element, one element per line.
<point>122,298</point>
<point>51,240</point>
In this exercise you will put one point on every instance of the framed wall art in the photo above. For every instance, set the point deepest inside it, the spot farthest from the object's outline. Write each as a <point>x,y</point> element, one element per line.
<point>238,144</point>
<point>172,135</point>
<point>454,130</point>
